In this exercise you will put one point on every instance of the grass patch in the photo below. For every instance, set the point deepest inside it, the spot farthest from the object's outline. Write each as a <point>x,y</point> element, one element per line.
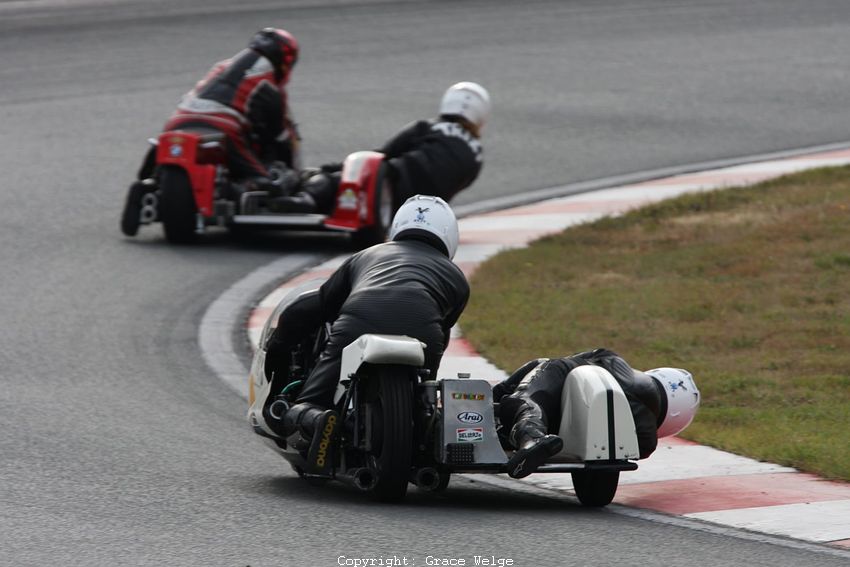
<point>748,288</point>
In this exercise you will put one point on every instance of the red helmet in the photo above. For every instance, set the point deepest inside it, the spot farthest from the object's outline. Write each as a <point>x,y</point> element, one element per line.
<point>278,46</point>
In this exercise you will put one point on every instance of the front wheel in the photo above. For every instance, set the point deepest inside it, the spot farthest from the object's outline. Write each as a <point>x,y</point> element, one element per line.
<point>177,208</point>
<point>595,488</point>
<point>389,399</point>
<point>383,209</point>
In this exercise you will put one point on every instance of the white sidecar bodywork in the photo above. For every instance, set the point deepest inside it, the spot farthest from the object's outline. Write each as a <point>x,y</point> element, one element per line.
<point>596,420</point>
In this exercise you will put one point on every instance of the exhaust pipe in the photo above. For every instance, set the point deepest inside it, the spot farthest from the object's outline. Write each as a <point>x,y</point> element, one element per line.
<point>362,478</point>
<point>278,408</point>
<point>200,225</point>
<point>426,478</point>
<point>150,206</point>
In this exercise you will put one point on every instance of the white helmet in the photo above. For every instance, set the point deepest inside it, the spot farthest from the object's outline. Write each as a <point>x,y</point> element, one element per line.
<point>682,399</point>
<point>469,100</point>
<point>425,213</point>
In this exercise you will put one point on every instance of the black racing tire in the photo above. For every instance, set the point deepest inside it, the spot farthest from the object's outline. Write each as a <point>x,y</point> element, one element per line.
<point>383,208</point>
<point>391,455</point>
<point>177,208</point>
<point>595,489</point>
<point>445,477</point>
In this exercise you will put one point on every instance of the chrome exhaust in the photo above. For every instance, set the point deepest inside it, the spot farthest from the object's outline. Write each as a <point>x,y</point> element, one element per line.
<point>200,225</point>
<point>361,478</point>
<point>426,478</point>
<point>277,408</point>
<point>150,205</point>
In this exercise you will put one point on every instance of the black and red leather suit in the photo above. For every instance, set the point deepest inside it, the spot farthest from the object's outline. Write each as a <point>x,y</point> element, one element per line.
<point>405,287</point>
<point>530,399</point>
<point>245,98</point>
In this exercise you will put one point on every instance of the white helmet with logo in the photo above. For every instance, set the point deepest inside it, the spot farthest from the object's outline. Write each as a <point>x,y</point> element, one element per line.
<point>682,399</point>
<point>469,100</point>
<point>427,215</point>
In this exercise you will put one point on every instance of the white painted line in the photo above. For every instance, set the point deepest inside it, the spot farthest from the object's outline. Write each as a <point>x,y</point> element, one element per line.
<point>254,334</point>
<point>676,462</point>
<point>784,166</point>
<point>228,313</point>
<point>272,299</point>
<point>555,221</point>
<point>480,252</point>
<point>639,195</point>
<point>813,521</point>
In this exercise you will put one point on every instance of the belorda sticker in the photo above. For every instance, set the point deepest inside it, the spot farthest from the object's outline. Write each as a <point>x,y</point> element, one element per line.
<point>470,417</point>
<point>470,435</point>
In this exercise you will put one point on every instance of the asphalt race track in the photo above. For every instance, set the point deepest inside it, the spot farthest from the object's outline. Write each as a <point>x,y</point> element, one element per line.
<point>118,446</point>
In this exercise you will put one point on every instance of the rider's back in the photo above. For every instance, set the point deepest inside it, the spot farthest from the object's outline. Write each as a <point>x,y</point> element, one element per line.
<point>434,157</point>
<point>404,285</point>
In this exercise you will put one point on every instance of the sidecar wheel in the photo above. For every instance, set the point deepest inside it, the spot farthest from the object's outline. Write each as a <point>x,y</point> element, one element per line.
<point>391,455</point>
<point>177,206</point>
<point>595,488</point>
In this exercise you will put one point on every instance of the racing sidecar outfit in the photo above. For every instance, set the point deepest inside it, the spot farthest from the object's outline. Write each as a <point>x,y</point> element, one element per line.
<point>437,157</point>
<point>404,287</point>
<point>530,399</point>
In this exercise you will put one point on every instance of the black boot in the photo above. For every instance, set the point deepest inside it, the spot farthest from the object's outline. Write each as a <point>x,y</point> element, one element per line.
<point>318,430</point>
<point>533,454</point>
<point>299,203</point>
<point>533,445</point>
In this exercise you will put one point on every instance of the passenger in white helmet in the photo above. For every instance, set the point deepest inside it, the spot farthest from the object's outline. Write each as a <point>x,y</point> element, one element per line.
<point>439,157</point>
<point>663,403</point>
<point>408,286</point>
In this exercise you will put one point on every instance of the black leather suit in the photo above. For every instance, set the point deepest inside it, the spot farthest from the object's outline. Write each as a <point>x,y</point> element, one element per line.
<point>433,157</point>
<point>530,399</point>
<point>406,287</point>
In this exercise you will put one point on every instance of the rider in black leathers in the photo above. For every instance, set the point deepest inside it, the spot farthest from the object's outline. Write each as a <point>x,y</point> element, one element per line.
<point>530,405</point>
<point>437,157</point>
<point>408,286</point>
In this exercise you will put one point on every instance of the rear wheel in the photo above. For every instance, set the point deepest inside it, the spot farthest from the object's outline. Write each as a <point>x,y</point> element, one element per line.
<point>390,401</point>
<point>383,209</point>
<point>595,488</point>
<point>177,208</point>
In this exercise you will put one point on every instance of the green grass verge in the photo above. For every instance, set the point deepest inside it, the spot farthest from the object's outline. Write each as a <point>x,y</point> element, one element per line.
<point>748,288</point>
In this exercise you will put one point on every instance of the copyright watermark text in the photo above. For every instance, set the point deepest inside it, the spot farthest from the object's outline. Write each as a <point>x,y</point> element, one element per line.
<point>428,561</point>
